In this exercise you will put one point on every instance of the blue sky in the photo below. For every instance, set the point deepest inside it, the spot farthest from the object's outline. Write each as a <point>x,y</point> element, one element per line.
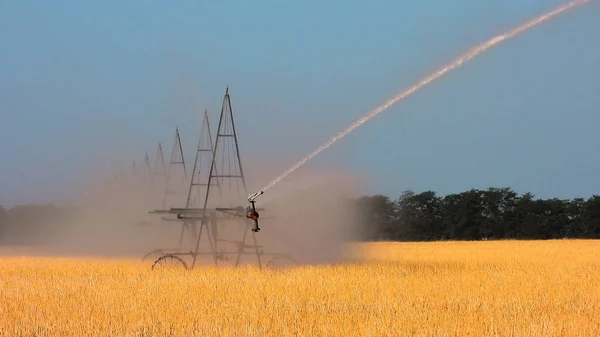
<point>88,86</point>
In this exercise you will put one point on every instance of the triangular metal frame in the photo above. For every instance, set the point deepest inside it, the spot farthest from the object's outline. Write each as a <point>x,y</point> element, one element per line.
<point>148,168</point>
<point>190,225</point>
<point>159,170</point>
<point>205,145</point>
<point>160,160</point>
<point>212,218</point>
<point>177,150</point>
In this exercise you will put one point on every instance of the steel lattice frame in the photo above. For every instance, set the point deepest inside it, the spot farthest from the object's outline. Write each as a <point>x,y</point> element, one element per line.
<point>208,219</point>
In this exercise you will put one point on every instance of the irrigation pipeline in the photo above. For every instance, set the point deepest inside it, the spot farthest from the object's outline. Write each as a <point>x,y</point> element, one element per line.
<point>467,56</point>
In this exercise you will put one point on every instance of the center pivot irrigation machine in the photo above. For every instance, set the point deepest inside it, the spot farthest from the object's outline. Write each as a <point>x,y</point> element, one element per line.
<point>218,220</point>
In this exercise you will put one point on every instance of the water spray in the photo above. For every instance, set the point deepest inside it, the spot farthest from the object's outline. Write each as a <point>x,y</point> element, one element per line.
<point>467,56</point>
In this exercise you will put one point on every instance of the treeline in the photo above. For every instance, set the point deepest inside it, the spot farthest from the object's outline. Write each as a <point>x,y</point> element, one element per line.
<point>31,224</point>
<point>496,213</point>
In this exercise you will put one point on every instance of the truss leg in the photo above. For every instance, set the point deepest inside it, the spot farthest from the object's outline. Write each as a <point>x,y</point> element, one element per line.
<point>193,228</point>
<point>183,228</point>
<point>241,247</point>
<point>213,245</point>
<point>256,247</point>
<point>213,227</point>
<point>197,245</point>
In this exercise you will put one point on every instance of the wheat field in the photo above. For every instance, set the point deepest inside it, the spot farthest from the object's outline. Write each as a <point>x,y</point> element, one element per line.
<point>503,288</point>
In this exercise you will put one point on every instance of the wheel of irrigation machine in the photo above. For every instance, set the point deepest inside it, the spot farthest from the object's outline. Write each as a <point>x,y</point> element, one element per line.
<point>154,252</point>
<point>281,262</point>
<point>169,261</point>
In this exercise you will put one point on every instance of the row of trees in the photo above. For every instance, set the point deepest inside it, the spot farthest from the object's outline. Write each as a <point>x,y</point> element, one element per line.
<point>29,224</point>
<point>496,213</point>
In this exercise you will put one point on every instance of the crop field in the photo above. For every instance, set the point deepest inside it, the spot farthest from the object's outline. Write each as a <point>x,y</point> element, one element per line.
<point>495,288</point>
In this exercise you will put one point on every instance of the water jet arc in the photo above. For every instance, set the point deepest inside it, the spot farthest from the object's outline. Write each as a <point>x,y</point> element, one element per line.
<point>467,56</point>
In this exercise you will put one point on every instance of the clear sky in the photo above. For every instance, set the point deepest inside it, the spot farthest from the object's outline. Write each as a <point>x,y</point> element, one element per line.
<point>88,86</point>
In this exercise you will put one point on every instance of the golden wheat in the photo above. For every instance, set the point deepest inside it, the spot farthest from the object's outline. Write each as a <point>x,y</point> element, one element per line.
<point>506,288</point>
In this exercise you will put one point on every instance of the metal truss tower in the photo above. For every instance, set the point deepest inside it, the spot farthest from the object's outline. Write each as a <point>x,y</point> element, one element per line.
<point>197,187</point>
<point>174,180</point>
<point>223,221</point>
<point>199,181</point>
<point>147,167</point>
<point>158,177</point>
<point>226,169</point>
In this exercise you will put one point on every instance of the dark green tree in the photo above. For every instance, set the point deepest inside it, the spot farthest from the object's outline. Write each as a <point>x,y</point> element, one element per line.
<point>592,218</point>
<point>377,215</point>
<point>420,216</point>
<point>495,213</point>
